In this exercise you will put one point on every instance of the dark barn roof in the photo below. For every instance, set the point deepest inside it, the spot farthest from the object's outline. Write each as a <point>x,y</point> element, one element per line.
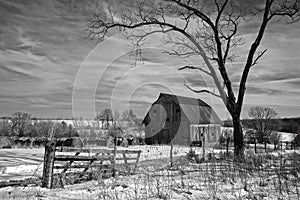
<point>196,110</point>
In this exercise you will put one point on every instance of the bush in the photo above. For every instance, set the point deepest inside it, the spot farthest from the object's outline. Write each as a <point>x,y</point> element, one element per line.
<point>5,143</point>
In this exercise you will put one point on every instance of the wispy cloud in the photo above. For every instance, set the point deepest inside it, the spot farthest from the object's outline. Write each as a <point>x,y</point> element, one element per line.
<point>45,56</point>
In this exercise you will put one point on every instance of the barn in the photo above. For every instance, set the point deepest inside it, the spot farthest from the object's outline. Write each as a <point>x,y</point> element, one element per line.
<point>182,120</point>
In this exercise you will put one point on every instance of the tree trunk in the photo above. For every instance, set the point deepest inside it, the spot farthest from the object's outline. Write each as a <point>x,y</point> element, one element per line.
<point>238,138</point>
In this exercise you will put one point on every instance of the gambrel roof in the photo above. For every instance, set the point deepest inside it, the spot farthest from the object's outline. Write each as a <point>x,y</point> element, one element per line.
<point>196,110</point>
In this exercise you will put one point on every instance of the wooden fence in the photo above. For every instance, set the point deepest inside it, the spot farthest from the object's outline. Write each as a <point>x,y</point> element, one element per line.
<point>59,162</point>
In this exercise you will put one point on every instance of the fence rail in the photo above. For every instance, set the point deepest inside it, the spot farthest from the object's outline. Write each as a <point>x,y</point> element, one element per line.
<point>58,162</point>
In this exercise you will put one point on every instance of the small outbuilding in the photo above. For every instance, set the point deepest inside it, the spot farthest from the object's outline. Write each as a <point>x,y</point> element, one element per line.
<point>182,120</point>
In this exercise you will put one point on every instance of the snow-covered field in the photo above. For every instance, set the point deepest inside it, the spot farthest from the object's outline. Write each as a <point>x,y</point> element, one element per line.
<point>27,163</point>
<point>185,180</point>
<point>20,163</point>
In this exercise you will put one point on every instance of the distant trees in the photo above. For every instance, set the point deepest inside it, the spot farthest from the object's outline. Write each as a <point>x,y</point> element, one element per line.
<point>262,122</point>
<point>44,128</point>
<point>20,123</point>
<point>23,125</point>
<point>62,130</point>
<point>130,117</point>
<point>291,125</point>
<point>108,118</point>
<point>105,117</point>
<point>132,121</point>
<point>117,124</point>
<point>5,127</point>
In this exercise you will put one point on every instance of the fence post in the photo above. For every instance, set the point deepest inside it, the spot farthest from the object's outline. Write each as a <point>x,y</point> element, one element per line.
<point>48,164</point>
<point>227,146</point>
<point>265,146</point>
<point>114,156</point>
<point>294,145</point>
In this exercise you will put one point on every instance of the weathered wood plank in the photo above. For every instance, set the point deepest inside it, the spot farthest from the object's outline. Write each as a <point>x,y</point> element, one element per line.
<point>66,167</point>
<point>88,166</point>
<point>80,166</point>
<point>69,163</point>
<point>127,158</point>
<point>137,160</point>
<point>126,163</point>
<point>119,151</point>
<point>25,182</point>
<point>72,149</point>
<point>80,158</point>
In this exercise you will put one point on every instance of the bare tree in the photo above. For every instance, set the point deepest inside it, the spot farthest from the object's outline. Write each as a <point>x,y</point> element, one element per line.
<point>44,128</point>
<point>262,121</point>
<point>107,116</point>
<point>100,118</point>
<point>5,127</point>
<point>130,117</point>
<point>207,29</point>
<point>20,122</point>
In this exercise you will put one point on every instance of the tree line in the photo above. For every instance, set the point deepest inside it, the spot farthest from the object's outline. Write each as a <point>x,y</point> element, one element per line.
<point>263,123</point>
<point>22,124</point>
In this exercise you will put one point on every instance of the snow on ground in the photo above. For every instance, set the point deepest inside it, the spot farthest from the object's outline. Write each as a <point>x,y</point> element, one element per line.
<point>194,182</point>
<point>286,137</point>
<point>25,163</point>
<point>191,181</point>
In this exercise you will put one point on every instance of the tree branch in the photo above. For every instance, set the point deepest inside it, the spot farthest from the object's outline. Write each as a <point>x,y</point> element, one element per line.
<point>196,68</point>
<point>260,54</point>
<point>253,48</point>
<point>285,8</point>
<point>202,91</point>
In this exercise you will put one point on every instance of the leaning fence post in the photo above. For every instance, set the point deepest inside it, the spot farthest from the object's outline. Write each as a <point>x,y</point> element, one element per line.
<point>48,164</point>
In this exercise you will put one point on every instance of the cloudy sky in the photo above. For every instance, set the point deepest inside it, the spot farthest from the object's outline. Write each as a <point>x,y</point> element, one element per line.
<point>49,68</point>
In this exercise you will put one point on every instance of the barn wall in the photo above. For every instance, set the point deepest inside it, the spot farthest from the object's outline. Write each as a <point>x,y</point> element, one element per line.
<point>177,127</point>
<point>182,133</point>
<point>154,131</point>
